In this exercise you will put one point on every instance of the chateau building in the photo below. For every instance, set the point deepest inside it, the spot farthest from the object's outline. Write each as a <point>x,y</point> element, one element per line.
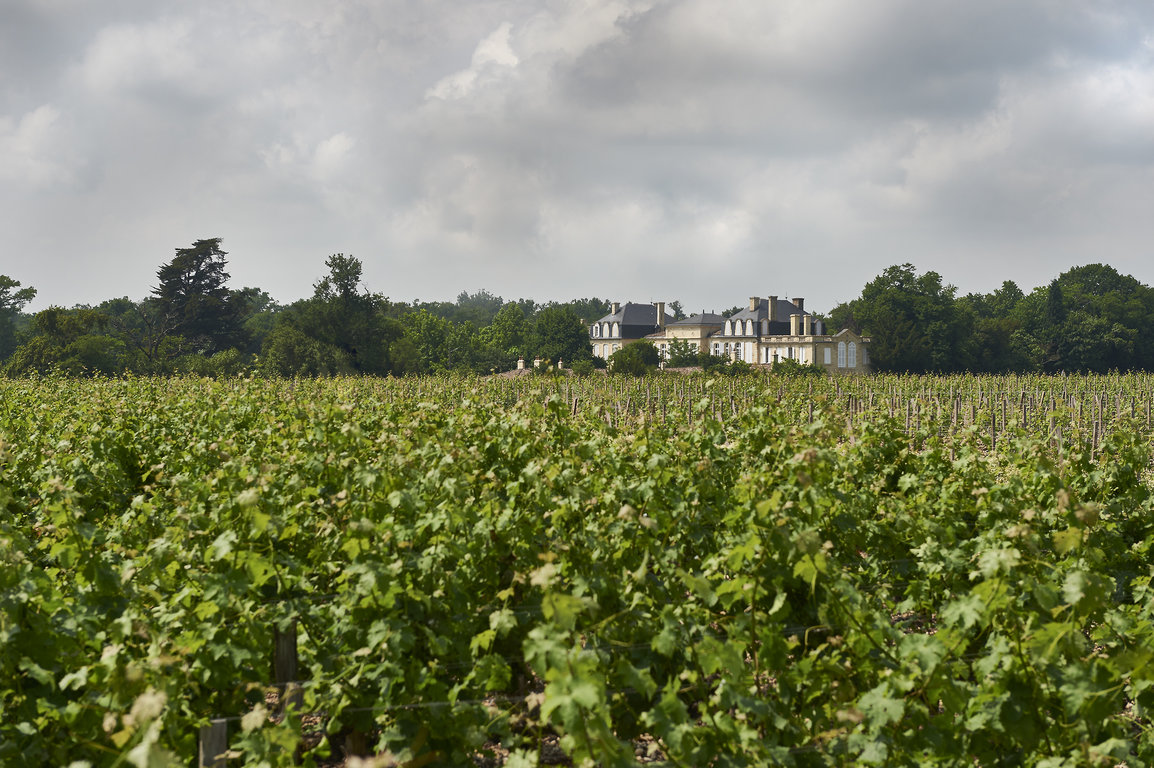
<point>767,331</point>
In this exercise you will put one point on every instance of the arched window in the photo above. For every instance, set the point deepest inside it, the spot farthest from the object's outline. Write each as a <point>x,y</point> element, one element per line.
<point>596,331</point>
<point>748,327</point>
<point>728,327</point>
<point>616,330</point>
<point>605,329</point>
<point>841,354</point>
<point>852,355</point>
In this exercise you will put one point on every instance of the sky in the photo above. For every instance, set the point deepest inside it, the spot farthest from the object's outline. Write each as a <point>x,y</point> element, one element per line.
<point>703,151</point>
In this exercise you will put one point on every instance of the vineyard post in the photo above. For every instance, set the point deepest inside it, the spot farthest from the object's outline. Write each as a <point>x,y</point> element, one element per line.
<point>213,744</point>
<point>285,666</point>
<point>993,428</point>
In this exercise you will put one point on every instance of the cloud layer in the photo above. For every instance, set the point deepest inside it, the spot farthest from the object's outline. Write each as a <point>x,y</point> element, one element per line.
<point>630,149</point>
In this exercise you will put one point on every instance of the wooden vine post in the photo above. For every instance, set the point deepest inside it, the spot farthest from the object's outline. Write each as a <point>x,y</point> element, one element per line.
<point>213,746</point>
<point>285,668</point>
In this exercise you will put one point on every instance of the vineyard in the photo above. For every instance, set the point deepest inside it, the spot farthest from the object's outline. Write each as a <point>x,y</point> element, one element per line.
<point>676,570</point>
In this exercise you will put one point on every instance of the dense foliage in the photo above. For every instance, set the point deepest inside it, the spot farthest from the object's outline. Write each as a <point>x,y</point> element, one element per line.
<point>635,359</point>
<point>797,571</point>
<point>1089,319</point>
<point>195,323</point>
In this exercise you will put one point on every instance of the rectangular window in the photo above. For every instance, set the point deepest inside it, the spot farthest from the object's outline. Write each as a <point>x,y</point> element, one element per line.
<point>826,356</point>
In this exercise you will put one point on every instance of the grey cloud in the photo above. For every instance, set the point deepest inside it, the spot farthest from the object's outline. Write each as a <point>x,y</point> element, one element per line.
<point>639,148</point>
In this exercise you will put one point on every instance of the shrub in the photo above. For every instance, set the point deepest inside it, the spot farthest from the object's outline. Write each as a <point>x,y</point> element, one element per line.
<point>636,359</point>
<point>583,367</point>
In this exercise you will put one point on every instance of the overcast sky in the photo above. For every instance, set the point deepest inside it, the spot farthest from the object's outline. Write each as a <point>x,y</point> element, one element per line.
<point>700,150</point>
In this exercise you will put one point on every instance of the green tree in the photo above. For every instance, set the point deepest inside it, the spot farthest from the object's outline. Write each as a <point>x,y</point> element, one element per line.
<point>478,308</point>
<point>260,316</point>
<point>13,298</point>
<point>636,359</point>
<point>1055,304</point>
<point>193,299</point>
<point>587,309</point>
<point>683,354</point>
<point>341,317</point>
<point>509,331</point>
<point>995,342</point>
<point>289,351</point>
<point>912,320</point>
<point>432,337</point>
<point>559,334</point>
<point>73,341</point>
<point>1089,319</point>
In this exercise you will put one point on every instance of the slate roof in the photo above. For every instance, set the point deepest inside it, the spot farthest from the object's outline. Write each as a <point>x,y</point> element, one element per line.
<point>778,327</point>
<point>784,310</point>
<point>636,315</point>
<point>701,318</point>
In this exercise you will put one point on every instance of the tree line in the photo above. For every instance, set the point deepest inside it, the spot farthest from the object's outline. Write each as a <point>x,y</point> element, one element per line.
<point>194,322</point>
<point>1088,319</point>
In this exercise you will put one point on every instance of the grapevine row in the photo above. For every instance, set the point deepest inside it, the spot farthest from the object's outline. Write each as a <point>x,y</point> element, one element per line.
<point>786,572</point>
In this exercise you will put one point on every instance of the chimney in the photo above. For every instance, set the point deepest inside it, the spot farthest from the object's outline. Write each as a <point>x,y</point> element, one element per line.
<point>807,325</point>
<point>772,309</point>
<point>794,323</point>
<point>753,302</point>
<point>660,313</point>
<point>799,302</point>
<point>614,308</point>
